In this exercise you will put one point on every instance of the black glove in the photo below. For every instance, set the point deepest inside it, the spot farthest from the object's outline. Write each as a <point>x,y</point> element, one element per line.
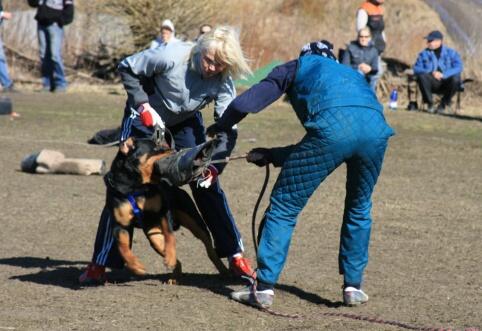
<point>214,129</point>
<point>260,156</point>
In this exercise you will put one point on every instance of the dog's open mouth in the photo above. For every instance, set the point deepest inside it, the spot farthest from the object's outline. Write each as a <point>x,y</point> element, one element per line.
<point>182,167</point>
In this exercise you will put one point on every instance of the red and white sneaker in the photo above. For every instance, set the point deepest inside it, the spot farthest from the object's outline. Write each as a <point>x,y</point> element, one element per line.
<point>93,276</point>
<point>242,267</point>
<point>15,114</point>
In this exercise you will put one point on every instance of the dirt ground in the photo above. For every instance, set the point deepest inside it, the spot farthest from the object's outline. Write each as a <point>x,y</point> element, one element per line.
<point>425,254</point>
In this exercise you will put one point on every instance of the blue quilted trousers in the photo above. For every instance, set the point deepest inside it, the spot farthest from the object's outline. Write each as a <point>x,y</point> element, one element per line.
<point>356,136</point>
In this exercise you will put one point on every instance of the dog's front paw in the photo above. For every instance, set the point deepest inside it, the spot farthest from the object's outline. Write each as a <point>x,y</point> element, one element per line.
<point>137,268</point>
<point>173,281</point>
<point>175,278</point>
<point>170,262</point>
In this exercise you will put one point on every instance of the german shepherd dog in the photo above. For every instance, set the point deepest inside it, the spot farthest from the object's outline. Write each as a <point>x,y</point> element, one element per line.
<point>137,196</point>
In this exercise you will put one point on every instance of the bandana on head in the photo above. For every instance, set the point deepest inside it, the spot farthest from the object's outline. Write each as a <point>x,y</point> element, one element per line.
<point>323,48</point>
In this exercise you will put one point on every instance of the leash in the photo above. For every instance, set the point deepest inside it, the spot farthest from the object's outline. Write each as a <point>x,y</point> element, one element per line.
<point>260,197</point>
<point>227,159</point>
<point>407,326</point>
<point>255,211</point>
<point>263,308</point>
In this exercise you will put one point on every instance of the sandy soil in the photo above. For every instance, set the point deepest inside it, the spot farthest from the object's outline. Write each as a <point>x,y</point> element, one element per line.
<point>425,252</point>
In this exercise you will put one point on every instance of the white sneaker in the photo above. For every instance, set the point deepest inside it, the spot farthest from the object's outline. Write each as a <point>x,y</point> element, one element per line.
<point>353,296</point>
<point>247,295</point>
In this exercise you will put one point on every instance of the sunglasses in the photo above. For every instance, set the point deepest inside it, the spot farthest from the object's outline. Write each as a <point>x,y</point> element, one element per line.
<point>363,36</point>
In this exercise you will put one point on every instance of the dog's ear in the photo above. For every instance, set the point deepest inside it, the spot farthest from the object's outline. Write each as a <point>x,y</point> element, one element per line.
<point>126,146</point>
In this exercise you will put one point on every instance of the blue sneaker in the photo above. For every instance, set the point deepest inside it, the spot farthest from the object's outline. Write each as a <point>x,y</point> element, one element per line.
<point>353,296</point>
<point>260,299</point>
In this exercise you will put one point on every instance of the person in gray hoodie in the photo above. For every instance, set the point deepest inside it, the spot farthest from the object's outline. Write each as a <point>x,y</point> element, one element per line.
<point>167,87</point>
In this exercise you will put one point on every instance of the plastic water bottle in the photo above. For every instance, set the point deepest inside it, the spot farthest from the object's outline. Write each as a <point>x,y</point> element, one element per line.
<point>393,99</point>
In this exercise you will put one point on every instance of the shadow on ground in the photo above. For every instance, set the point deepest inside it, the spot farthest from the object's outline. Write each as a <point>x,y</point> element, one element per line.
<point>65,274</point>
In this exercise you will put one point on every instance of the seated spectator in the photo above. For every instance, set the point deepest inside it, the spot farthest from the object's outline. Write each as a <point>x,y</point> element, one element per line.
<point>205,28</point>
<point>166,34</point>
<point>362,56</point>
<point>438,70</point>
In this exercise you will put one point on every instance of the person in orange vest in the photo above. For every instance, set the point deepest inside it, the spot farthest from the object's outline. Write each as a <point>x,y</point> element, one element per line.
<point>370,14</point>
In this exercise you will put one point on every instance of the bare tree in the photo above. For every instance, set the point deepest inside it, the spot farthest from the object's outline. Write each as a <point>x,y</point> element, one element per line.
<point>144,17</point>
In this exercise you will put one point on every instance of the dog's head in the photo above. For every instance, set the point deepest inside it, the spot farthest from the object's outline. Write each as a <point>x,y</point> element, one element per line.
<point>187,164</point>
<point>133,165</point>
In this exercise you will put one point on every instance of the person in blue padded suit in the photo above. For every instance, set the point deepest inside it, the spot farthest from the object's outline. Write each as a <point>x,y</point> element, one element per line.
<point>168,86</point>
<point>344,123</point>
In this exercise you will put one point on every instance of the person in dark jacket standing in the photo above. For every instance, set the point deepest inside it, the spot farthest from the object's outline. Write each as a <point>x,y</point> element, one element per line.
<point>371,14</point>
<point>344,123</point>
<point>363,57</point>
<point>52,16</point>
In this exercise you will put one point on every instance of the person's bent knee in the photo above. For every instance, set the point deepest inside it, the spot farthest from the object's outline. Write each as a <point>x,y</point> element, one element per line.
<point>453,80</point>
<point>423,76</point>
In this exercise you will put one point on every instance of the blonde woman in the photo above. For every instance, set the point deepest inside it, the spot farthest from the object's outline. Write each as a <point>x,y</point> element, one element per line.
<point>168,86</point>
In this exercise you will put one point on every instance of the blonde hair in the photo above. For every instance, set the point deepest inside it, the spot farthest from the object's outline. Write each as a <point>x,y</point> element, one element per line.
<point>224,40</point>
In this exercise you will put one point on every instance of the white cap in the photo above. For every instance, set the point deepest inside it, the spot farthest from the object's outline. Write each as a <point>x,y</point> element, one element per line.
<point>167,24</point>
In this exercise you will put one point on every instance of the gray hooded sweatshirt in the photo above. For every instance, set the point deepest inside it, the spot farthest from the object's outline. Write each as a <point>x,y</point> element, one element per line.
<point>163,76</point>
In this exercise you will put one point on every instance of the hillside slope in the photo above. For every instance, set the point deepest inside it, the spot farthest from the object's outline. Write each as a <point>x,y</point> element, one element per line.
<point>462,20</point>
<point>272,30</point>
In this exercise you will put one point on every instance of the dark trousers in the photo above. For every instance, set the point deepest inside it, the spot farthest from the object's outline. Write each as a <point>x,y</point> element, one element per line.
<point>211,202</point>
<point>446,87</point>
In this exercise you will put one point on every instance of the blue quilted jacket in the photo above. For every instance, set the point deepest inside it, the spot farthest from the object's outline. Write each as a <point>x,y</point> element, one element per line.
<point>334,86</point>
<point>313,96</point>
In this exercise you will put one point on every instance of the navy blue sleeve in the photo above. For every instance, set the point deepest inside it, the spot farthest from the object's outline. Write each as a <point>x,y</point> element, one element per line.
<point>260,95</point>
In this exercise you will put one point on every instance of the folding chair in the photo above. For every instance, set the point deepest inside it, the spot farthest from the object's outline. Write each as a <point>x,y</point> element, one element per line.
<point>460,91</point>
<point>412,87</point>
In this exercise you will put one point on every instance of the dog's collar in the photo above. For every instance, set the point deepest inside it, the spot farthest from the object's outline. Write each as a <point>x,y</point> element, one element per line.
<point>109,180</point>
<point>135,207</point>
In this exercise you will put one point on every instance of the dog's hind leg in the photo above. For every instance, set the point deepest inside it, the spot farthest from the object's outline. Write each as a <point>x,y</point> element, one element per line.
<point>191,224</point>
<point>131,260</point>
<point>186,214</point>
